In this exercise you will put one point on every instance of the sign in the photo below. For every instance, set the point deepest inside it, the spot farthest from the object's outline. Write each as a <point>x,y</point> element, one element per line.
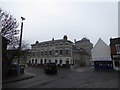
<point>102,59</point>
<point>116,56</point>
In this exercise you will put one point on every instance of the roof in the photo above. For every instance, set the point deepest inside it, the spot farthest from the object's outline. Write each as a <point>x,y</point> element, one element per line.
<point>83,40</point>
<point>114,41</point>
<point>100,42</point>
<point>53,41</point>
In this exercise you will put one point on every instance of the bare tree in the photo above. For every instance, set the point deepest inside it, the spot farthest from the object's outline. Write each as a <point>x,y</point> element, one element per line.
<point>9,27</point>
<point>12,52</point>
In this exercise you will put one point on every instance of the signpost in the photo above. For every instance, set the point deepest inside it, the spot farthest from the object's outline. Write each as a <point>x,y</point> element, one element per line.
<point>20,45</point>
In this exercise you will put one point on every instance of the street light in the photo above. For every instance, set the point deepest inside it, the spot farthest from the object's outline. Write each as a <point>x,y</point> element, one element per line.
<point>20,45</point>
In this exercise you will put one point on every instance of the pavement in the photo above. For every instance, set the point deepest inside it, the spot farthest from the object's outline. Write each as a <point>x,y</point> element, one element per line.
<point>18,78</point>
<point>27,75</point>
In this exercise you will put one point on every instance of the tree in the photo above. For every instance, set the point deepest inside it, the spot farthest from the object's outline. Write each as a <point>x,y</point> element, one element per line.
<point>13,52</point>
<point>9,28</point>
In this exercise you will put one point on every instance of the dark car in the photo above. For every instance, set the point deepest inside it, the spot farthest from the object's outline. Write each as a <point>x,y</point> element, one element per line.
<point>13,69</point>
<point>50,68</point>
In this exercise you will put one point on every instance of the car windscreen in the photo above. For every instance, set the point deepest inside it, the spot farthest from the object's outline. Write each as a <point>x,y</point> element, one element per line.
<point>51,64</point>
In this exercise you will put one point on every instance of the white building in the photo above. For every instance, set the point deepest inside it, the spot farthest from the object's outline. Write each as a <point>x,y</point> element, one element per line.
<point>61,51</point>
<point>101,55</point>
<point>58,51</point>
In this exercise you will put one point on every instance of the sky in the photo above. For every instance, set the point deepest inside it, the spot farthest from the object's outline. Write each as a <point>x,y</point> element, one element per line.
<point>47,19</point>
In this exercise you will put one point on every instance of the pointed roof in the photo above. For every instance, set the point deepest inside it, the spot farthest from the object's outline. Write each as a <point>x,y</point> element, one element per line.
<point>99,43</point>
<point>101,51</point>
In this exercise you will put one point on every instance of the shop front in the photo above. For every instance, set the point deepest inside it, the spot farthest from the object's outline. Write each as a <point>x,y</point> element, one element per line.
<point>103,65</point>
<point>116,61</point>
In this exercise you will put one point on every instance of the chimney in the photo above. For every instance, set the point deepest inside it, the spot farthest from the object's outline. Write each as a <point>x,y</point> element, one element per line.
<point>75,40</point>
<point>52,39</point>
<point>65,37</point>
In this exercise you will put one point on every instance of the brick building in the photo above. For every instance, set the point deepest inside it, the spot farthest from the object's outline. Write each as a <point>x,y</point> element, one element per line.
<point>115,52</point>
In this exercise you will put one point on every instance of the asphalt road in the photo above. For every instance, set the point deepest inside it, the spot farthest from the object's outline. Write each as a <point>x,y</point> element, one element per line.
<point>67,78</point>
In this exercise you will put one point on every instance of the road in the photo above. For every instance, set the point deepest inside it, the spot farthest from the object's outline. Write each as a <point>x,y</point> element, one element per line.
<point>67,78</point>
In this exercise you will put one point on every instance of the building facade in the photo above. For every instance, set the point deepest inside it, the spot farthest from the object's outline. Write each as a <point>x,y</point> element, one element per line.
<point>85,44</point>
<point>58,51</point>
<point>82,52</point>
<point>101,56</point>
<point>81,57</point>
<point>62,51</point>
<point>115,52</point>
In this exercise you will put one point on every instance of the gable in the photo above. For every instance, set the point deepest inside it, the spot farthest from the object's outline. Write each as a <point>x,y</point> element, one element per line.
<point>101,51</point>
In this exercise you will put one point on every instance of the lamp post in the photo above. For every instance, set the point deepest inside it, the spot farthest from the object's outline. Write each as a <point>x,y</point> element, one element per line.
<point>20,45</point>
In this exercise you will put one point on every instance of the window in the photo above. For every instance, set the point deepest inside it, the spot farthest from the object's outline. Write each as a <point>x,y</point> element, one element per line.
<point>42,53</point>
<point>32,60</point>
<point>41,61</point>
<point>60,61</point>
<point>36,61</point>
<point>45,45</point>
<point>118,48</point>
<point>67,52</point>
<point>50,52</point>
<point>49,60</point>
<point>60,52</point>
<point>117,63</point>
<point>56,52</point>
<point>70,52</point>
<point>41,45</point>
<point>45,52</point>
<point>66,43</point>
<point>36,53</point>
<point>45,61</point>
<point>67,62</point>
<point>33,53</point>
<point>60,44</point>
<point>56,61</point>
<point>56,44</point>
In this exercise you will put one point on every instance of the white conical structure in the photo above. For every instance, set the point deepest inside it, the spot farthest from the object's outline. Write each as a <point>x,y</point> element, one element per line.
<point>101,51</point>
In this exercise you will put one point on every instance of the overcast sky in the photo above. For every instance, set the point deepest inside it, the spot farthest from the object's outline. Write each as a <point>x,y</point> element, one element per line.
<point>48,19</point>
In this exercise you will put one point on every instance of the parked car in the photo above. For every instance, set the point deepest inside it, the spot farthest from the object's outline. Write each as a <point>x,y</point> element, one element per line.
<point>13,69</point>
<point>50,68</point>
